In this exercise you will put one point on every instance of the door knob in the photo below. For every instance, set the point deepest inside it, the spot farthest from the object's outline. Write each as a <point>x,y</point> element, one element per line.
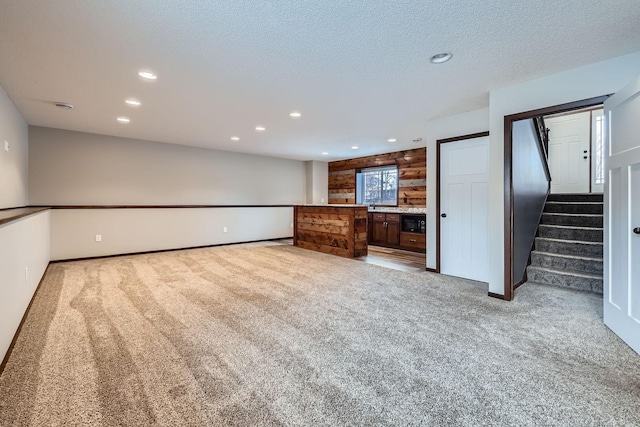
<point>444,215</point>
<point>636,230</point>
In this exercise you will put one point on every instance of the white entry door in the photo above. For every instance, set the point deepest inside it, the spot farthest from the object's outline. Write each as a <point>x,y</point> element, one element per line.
<point>622,215</point>
<point>569,146</point>
<point>464,207</point>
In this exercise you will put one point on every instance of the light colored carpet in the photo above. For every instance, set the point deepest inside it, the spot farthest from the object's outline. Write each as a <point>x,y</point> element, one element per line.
<point>276,335</point>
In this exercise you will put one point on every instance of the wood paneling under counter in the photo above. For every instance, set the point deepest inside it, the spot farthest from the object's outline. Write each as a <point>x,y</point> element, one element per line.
<point>412,176</point>
<point>337,230</point>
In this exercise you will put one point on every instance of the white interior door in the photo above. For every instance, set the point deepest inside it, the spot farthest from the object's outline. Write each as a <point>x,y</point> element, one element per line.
<point>597,151</point>
<point>464,208</point>
<point>621,297</point>
<point>569,146</point>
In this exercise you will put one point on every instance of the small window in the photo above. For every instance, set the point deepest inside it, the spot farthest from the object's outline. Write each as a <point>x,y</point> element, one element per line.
<point>599,150</point>
<point>377,186</point>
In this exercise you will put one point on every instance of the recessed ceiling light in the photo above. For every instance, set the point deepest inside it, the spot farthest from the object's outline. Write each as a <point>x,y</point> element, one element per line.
<point>133,102</point>
<point>324,153</point>
<point>235,138</point>
<point>355,147</point>
<point>64,105</point>
<point>124,119</point>
<point>147,75</point>
<point>391,140</point>
<point>295,114</point>
<point>261,128</point>
<point>440,58</point>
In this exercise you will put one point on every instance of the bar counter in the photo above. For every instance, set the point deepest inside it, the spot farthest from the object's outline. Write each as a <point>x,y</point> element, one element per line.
<point>333,229</point>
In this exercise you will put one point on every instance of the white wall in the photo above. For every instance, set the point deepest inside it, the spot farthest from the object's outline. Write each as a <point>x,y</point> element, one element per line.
<point>447,127</point>
<point>76,168</point>
<point>23,244</point>
<point>317,182</point>
<point>573,85</point>
<point>73,231</point>
<point>14,167</point>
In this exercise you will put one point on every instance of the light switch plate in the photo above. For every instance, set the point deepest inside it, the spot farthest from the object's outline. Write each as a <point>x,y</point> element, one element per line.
<point>98,237</point>
<point>6,146</point>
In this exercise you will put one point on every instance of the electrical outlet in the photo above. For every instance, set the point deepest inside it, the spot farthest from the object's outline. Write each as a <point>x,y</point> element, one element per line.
<point>224,229</point>
<point>26,274</point>
<point>322,200</point>
<point>6,145</point>
<point>291,225</point>
<point>98,237</point>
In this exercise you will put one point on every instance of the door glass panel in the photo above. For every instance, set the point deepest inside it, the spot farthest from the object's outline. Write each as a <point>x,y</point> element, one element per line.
<point>598,150</point>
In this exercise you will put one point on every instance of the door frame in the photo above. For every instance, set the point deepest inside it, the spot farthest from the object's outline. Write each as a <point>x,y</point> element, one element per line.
<point>508,179</point>
<point>439,142</point>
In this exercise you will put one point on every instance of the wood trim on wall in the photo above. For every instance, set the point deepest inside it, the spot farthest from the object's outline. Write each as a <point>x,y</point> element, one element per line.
<point>412,172</point>
<point>439,142</point>
<point>158,206</point>
<point>509,284</point>
<point>8,215</point>
<point>497,296</point>
<point>17,207</point>
<point>157,251</point>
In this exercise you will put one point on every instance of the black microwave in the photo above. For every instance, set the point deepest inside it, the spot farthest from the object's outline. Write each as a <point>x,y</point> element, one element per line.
<point>414,224</point>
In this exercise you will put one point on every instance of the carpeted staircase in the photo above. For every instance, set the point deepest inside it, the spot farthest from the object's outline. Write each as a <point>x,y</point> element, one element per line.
<point>568,249</point>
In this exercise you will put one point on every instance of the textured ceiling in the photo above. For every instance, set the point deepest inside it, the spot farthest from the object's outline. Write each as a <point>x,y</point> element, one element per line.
<point>358,71</point>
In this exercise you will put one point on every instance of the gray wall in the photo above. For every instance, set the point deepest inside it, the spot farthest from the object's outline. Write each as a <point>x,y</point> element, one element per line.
<point>122,231</point>
<point>14,167</point>
<point>317,182</point>
<point>75,168</point>
<point>530,186</point>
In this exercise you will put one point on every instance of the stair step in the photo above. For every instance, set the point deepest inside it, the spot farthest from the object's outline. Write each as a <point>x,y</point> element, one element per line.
<point>574,207</point>
<point>569,247</point>
<point>567,232</point>
<point>580,264</point>
<point>565,279</point>
<point>556,197</point>
<point>580,220</point>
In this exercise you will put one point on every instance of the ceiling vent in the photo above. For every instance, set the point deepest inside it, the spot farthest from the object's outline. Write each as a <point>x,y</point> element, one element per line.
<point>64,105</point>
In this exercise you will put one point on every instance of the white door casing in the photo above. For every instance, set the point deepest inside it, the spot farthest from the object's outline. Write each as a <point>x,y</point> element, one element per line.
<point>464,200</point>
<point>569,147</point>
<point>621,297</point>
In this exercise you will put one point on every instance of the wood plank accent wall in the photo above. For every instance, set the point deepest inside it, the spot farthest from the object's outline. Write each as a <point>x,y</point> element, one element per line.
<point>335,230</point>
<point>412,171</point>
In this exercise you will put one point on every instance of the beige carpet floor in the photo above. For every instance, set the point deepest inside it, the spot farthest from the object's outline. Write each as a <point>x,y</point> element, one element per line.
<point>267,334</point>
